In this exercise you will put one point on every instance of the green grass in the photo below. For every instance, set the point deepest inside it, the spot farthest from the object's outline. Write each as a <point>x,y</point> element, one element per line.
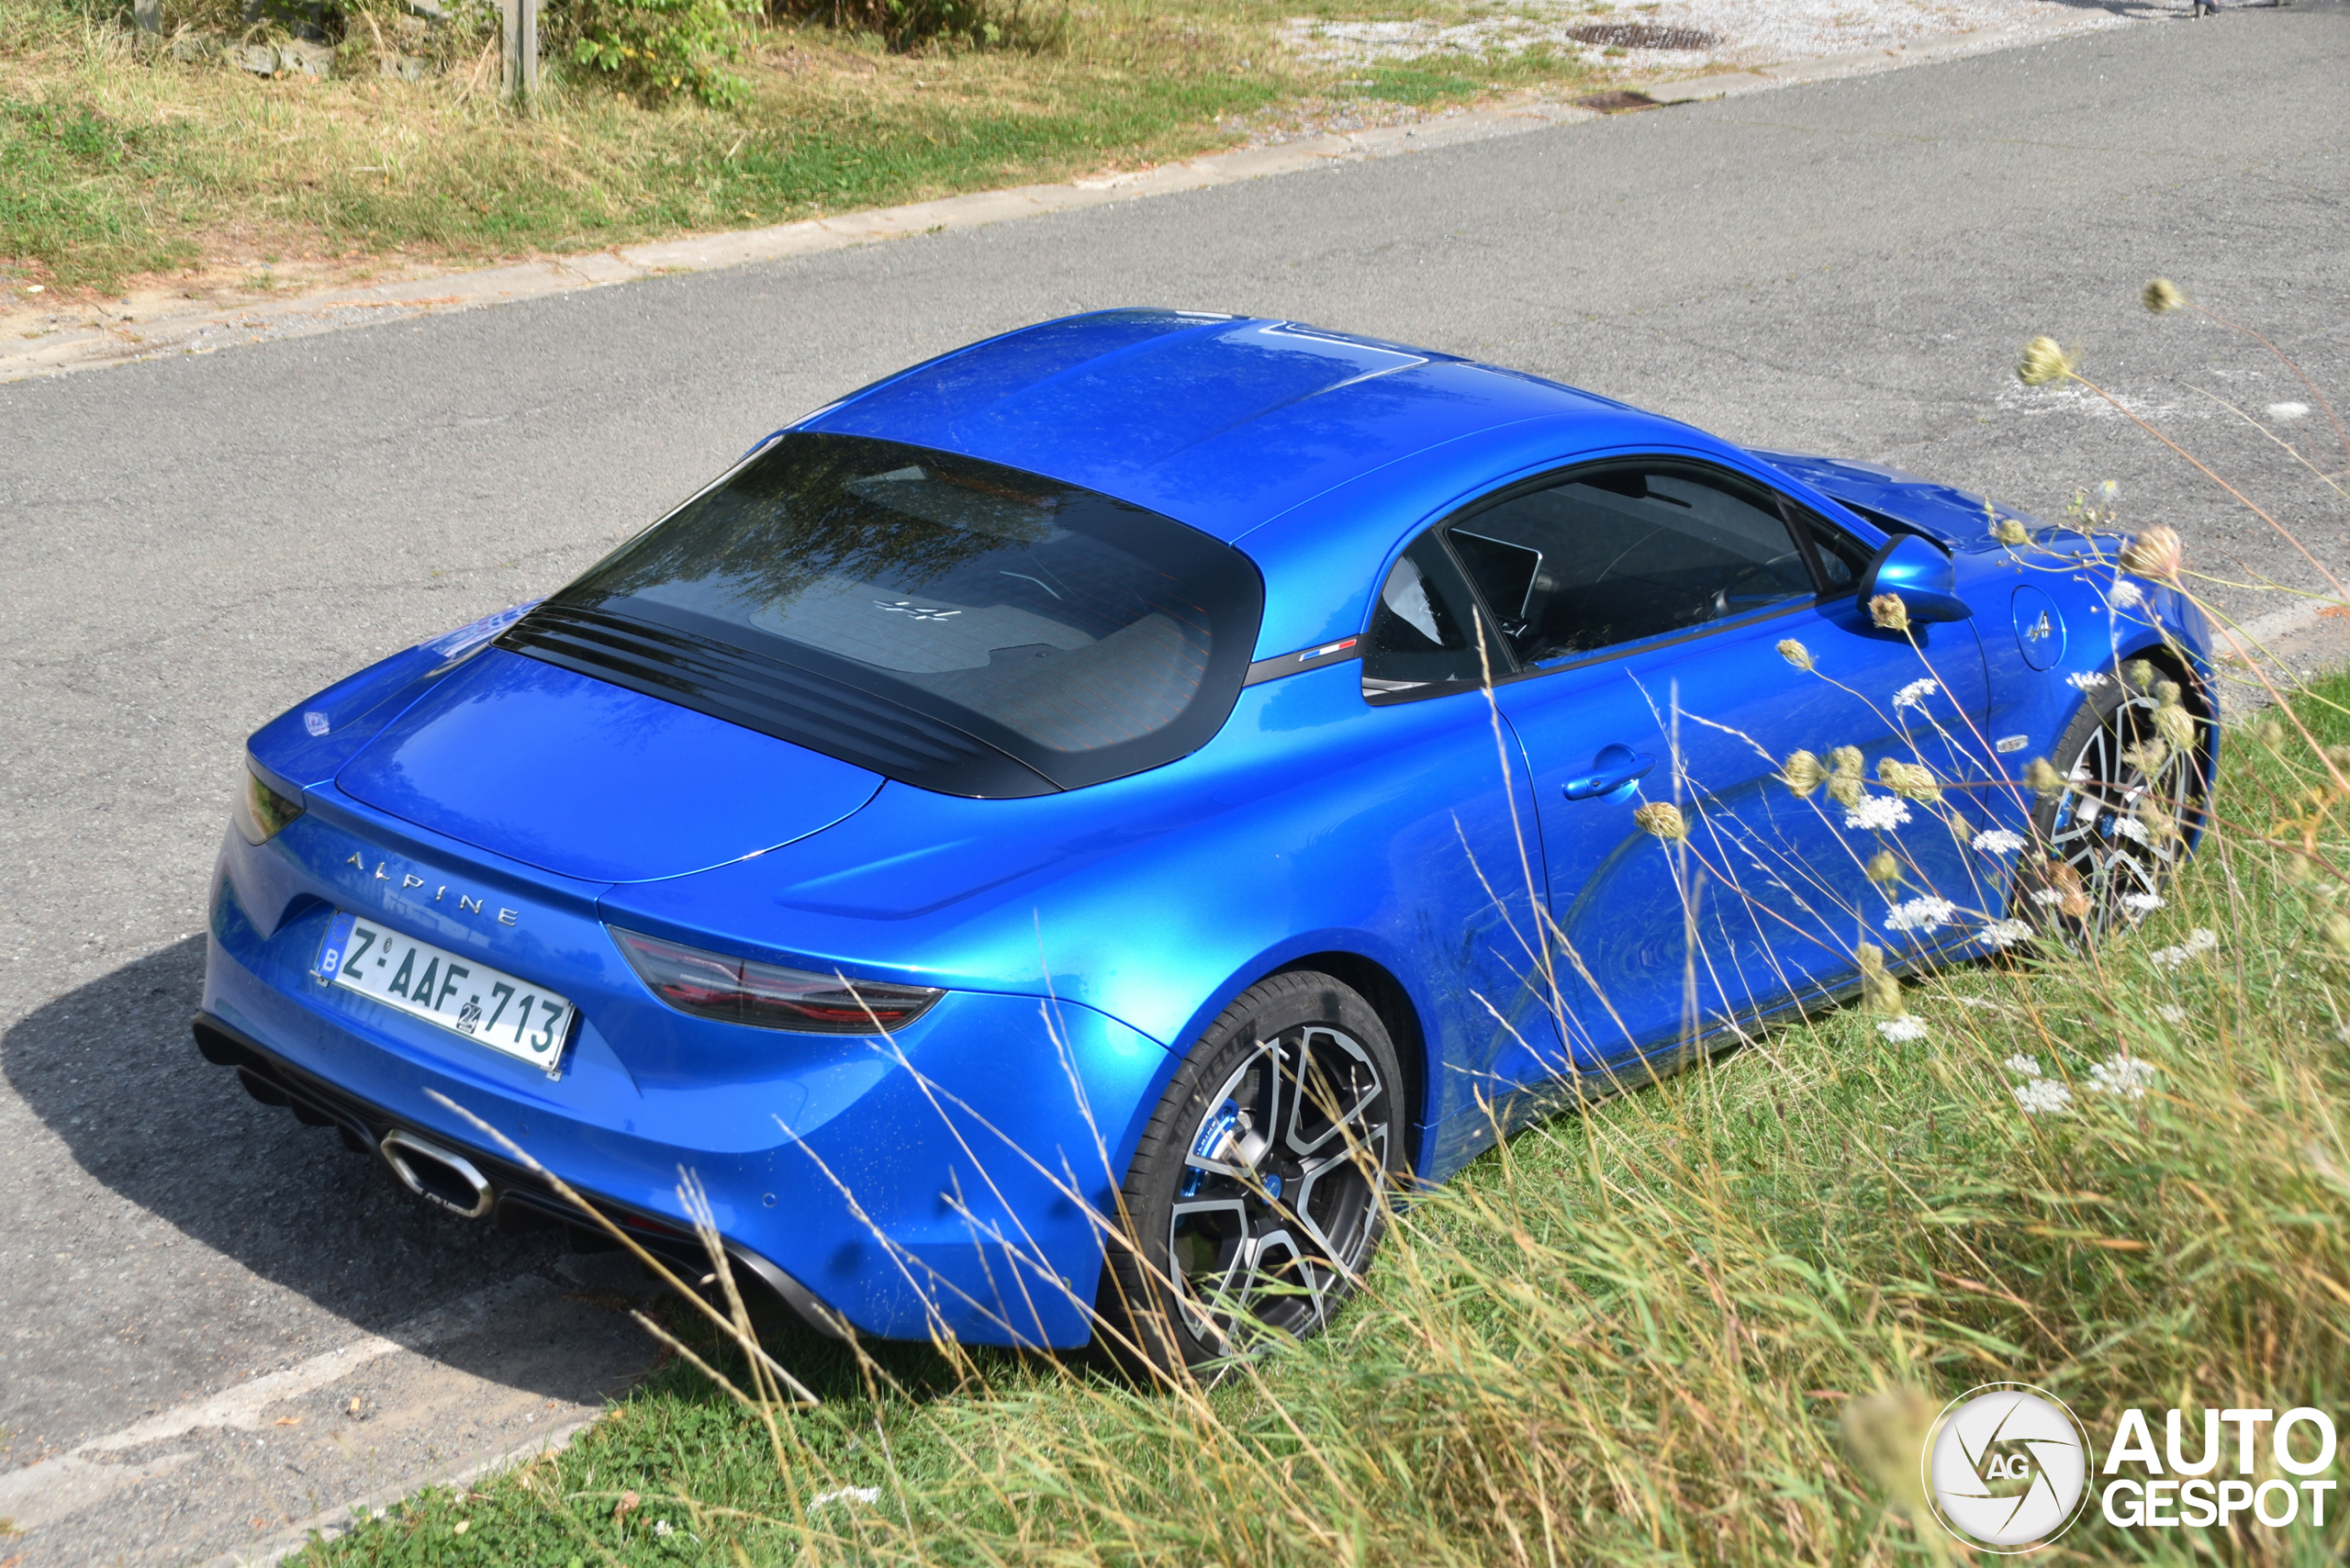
<point>118,160</point>
<point>1706,1322</point>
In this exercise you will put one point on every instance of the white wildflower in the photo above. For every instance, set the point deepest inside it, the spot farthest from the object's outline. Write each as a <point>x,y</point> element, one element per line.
<point>2051,897</point>
<point>1924,913</point>
<point>1902,1028</point>
<point>2123,1077</point>
<point>2043,1097</point>
<point>2171,1013</point>
<point>2128,595</point>
<point>2006,933</point>
<point>2289,411</point>
<point>2130,827</point>
<point>2141,903</point>
<point>1999,841</point>
<point>845,1494</point>
<point>661,1526</point>
<point>2085,680</point>
<point>2198,941</point>
<point>1877,813</point>
<point>2028,1066</point>
<point>1914,695</point>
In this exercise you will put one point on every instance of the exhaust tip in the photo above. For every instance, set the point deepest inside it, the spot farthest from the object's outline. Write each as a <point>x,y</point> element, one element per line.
<point>436,1175</point>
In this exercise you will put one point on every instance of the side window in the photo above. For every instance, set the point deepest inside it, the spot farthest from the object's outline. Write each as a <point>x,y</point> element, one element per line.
<point>1424,628</point>
<point>1843,558</point>
<point>1615,554</point>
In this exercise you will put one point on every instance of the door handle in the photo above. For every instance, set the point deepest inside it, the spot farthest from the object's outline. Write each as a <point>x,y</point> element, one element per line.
<point>1612,770</point>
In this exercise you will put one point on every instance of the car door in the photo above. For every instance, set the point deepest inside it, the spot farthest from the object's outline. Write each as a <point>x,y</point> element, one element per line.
<point>1643,602</point>
<point>1430,646</point>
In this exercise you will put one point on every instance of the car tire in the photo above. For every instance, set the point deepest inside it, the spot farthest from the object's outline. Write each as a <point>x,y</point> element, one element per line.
<point>2098,865</point>
<point>1232,1237</point>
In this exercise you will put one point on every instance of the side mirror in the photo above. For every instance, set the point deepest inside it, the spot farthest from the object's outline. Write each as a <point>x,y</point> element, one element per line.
<point>1912,567</point>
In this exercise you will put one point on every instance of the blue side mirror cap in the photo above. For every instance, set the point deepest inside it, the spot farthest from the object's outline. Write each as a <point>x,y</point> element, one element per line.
<point>1915,569</point>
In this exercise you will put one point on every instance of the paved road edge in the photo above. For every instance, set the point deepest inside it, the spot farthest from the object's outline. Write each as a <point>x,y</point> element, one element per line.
<point>332,309</point>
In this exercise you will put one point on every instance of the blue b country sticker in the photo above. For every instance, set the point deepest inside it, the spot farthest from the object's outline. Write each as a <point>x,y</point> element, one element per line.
<point>331,950</point>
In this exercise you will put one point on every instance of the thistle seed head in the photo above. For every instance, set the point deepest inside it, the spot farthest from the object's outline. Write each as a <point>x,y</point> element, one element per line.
<point>1878,989</point>
<point>1884,868</point>
<point>1885,1432</point>
<point>1848,784</point>
<point>2043,361</point>
<point>2072,893</point>
<point>2175,724</point>
<point>2162,296</point>
<point>2156,553</point>
<point>2043,778</point>
<point>1663,819</point>
<point>1909,780</point>
<point>1802,774</point>
<point>1889,613</point>
<point>1795,653</point>
<point>2335,930</point>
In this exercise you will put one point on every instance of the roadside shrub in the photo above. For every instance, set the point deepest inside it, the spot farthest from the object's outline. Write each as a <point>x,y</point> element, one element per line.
<point>909,23</point>
<point>655,49</point>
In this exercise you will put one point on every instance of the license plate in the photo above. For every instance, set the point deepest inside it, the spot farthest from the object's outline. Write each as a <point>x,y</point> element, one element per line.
<point>455,990</point>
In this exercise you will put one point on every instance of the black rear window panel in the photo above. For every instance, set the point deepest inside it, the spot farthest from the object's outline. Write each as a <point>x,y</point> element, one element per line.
<point>953,624</point>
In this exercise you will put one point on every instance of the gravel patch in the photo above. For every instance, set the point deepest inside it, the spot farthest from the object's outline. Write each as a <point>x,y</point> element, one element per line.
<point>1696,35</point>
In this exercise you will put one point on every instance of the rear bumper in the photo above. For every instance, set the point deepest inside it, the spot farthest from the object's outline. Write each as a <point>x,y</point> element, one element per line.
<point>945,1181</point>
<point>517,1198</point>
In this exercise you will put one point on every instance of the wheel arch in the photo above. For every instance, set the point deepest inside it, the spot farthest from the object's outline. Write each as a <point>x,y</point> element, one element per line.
<point>2197,691</point>
<point>1387,996</point>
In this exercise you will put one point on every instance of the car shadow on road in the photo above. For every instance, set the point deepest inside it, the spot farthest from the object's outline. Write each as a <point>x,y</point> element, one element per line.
<point>111,1067</point>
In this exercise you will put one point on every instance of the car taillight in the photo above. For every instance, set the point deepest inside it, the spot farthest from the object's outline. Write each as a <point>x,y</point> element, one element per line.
<point>261,812</point>
<point>769,996</point>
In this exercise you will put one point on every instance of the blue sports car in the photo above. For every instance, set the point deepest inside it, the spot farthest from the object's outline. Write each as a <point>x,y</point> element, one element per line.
<point>1052,839</point>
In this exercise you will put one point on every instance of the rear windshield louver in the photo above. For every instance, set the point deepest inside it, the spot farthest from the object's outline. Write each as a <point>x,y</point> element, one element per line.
<point>771,697</point>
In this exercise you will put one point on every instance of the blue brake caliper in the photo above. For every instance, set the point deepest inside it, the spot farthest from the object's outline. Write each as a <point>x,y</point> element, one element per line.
<point>1214,1132</point>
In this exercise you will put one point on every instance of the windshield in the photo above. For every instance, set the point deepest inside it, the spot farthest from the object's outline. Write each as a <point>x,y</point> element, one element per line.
<point>1074,635</point>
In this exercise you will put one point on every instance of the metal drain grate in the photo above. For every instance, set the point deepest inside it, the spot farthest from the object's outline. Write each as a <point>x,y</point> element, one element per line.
<point>1642,35</point>
<point>1618,102</point>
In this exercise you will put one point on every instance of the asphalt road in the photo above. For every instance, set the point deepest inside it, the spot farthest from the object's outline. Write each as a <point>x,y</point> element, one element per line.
<point>190,547</point>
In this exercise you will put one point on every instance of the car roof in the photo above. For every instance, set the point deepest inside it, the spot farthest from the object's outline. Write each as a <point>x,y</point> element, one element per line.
<point>1219,421</point>
<point>1229,423</point>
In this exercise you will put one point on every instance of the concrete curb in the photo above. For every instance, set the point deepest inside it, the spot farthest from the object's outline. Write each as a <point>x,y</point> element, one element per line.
<point>335,1523</point>
<point>205,330</point>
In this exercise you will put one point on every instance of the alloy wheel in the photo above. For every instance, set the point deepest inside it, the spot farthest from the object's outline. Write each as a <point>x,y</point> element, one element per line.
<point>1278,1202</point>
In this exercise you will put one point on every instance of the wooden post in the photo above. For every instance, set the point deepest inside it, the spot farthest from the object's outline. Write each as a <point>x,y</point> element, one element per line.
<point>519,46</point>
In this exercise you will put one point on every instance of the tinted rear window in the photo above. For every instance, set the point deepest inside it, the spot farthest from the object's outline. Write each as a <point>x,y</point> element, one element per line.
<point>1073,637</point>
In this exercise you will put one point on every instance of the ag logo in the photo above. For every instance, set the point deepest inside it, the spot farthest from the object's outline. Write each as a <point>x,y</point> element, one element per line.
<point>2007,1467</point>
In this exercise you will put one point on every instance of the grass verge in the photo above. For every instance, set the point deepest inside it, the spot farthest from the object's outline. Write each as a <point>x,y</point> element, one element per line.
<point>1707,1322</point>
<point>118,159</point>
